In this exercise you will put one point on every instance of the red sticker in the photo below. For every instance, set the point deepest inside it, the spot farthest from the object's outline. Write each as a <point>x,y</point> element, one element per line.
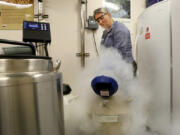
<point>147,35</point>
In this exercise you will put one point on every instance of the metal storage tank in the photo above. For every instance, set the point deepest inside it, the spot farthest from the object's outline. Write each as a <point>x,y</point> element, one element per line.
<point>29,99</point>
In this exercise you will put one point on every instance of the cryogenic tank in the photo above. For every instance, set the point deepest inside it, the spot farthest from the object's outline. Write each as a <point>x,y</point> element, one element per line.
<point>29,99</point>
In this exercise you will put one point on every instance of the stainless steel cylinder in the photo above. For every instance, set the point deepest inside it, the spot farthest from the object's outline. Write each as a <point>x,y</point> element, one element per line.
<point>29,99</point>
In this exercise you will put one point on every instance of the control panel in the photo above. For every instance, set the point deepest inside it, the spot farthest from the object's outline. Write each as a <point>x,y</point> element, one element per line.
<point>36,32</point>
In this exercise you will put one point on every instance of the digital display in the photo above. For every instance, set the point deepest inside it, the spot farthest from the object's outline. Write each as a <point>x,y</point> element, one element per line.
<point>36,26</point>
<point>33,25</point>
<point>36,32</point>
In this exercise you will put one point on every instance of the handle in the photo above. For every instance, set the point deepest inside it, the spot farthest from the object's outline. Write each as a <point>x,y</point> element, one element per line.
<point>135,47</point>
<point>136,42</point>
<point>58,64</point>
<point>12,42</point>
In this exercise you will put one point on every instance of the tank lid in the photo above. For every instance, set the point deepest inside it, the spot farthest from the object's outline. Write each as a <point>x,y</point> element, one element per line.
<point>25,64</point>
<point>23,57</point>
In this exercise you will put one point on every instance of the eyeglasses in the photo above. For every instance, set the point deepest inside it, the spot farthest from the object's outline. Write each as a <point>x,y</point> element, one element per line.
<point>100,18</point>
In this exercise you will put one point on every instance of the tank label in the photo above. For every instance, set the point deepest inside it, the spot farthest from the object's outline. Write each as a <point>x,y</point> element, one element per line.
<point>104,93</point>
<point>107,118</point>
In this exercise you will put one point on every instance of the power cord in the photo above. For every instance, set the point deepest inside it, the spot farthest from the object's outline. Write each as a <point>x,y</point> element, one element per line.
<point>95,43</point>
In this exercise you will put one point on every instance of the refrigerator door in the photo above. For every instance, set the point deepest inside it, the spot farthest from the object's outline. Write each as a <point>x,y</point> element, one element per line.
<point>154,63</point>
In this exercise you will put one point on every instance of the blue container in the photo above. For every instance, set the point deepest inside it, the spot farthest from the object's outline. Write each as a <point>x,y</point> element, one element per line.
<point>151,2</point>
<point>104,86</point>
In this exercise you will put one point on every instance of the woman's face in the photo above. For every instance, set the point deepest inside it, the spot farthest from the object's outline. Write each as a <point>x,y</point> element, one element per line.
<point>104,20</point>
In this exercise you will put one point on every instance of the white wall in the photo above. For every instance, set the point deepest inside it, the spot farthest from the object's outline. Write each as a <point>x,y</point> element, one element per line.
<point>64,16</point>
<point>175,58</point>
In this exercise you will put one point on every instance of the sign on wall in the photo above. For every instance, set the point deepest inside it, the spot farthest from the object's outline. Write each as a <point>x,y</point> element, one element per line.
<point>118,8</point>
<point>13,12</point>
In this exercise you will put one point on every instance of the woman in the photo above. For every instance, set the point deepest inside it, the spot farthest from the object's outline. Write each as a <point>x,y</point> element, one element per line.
<point>115,35</point>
